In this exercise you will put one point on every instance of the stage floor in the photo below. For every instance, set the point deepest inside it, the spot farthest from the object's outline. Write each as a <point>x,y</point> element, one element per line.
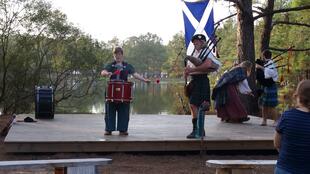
<point>85,133</point>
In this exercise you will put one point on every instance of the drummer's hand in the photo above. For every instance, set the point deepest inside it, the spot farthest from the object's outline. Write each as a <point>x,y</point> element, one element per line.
<point>147,80</point>
<point>105,73</point>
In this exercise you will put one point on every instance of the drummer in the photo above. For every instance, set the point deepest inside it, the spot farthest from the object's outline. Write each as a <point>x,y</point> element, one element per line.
<point>118,70</point>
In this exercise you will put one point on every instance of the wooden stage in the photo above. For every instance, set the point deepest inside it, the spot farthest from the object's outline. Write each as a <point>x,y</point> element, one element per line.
<point>85,133</point>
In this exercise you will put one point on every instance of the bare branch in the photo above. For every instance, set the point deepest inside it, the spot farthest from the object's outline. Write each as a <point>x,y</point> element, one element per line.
<point>290,23</point>
<point>221,20</point>
<point>258,12</point>
<point>283,10</point>
<point>259,8</point>
<point>285,49</point>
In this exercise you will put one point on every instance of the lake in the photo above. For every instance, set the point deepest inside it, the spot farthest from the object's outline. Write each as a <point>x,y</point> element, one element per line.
<point>163,98</point>
<point>156,98</point>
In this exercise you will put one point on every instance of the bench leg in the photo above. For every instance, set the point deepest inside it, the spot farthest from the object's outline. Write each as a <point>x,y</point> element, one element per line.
<point>243,171</point>
<point>236,171</point>
<point>223,171</point>
<point>83,170</point>
<point>60,170</point>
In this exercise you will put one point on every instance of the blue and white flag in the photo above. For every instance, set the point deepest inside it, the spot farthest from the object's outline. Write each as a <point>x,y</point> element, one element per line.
<point>198,19</point>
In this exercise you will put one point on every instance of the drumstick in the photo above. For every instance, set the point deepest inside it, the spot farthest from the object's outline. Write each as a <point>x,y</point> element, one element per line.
<point>117,72</point>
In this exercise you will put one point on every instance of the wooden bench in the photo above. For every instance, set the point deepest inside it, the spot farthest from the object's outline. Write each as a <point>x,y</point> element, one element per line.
<point>60,166</point>
<point>245,166</point>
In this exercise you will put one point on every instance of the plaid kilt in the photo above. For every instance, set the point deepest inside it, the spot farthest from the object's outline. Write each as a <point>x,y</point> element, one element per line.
<point>200,90</point>
<point>269,97</point>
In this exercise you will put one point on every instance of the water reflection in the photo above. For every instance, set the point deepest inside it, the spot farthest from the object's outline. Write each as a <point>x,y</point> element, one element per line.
<point>152,98</point>
<point>156,98</point>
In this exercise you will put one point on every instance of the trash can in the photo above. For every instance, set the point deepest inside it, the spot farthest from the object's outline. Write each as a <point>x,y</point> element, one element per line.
<point>44,102</point>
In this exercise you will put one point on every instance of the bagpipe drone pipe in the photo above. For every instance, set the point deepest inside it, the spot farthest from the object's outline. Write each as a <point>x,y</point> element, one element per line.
<point>260,73</point>
<point>260,77</point>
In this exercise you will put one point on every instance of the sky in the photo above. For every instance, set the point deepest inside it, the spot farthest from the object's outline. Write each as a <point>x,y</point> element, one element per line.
<point>106,19</point>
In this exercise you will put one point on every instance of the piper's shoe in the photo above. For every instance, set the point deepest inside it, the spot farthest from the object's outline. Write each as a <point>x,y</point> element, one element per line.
<point>191,135</point>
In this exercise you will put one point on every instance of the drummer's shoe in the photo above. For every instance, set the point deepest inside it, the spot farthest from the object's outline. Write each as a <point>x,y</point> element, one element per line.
<point>123,133</point>
<point>108,133</point>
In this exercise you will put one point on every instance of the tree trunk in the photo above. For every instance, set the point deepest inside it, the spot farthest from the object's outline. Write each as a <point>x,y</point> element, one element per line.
<point>245,47</point>
<point>245,33</point>
<point>267,28</point>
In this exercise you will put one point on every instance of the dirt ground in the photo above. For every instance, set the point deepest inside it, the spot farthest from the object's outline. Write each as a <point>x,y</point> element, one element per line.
<point>143,163</point>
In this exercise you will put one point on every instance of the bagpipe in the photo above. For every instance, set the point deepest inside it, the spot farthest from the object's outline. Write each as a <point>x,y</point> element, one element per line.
<point>260,76</point>
<point>206,50</point>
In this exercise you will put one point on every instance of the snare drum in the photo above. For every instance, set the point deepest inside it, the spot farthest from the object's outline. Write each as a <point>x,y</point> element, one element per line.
<point>119,91</point>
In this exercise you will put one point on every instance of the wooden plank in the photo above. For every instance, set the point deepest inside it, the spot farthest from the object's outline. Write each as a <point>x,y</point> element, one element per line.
<point>135,146</point>
<point>55,163</point>
<point>68,128</point>
<point>71,133</point>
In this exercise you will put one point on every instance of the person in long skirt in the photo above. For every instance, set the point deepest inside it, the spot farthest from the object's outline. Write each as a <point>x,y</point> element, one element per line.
<point>228,104</point>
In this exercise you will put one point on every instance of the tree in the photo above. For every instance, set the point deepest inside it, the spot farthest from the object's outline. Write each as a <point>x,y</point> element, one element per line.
<point>146,53</point>
<point>227,46</point>
<point>245,33</point>
<point>176,52</point>
<point>39,47</point>
<point>267,14</point>
<point>14,15</point>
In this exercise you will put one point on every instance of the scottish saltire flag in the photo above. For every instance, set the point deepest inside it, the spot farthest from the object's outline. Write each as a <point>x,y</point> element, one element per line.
<point>198,19</point>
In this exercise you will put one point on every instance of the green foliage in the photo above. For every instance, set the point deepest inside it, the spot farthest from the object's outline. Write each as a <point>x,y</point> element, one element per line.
<point>176,53</point>
<point>227,45</point>
<point>41,48</point>
<point>297,3</point>
<point>284,36</point>
<point>146,53</point>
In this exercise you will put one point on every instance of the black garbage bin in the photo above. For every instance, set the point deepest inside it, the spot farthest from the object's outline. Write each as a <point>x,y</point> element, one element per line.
<point>44,102</point>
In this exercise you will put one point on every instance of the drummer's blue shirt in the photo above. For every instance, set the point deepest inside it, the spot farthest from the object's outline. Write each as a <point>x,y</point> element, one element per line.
<point>125,70</point>
<point>294,128</point>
